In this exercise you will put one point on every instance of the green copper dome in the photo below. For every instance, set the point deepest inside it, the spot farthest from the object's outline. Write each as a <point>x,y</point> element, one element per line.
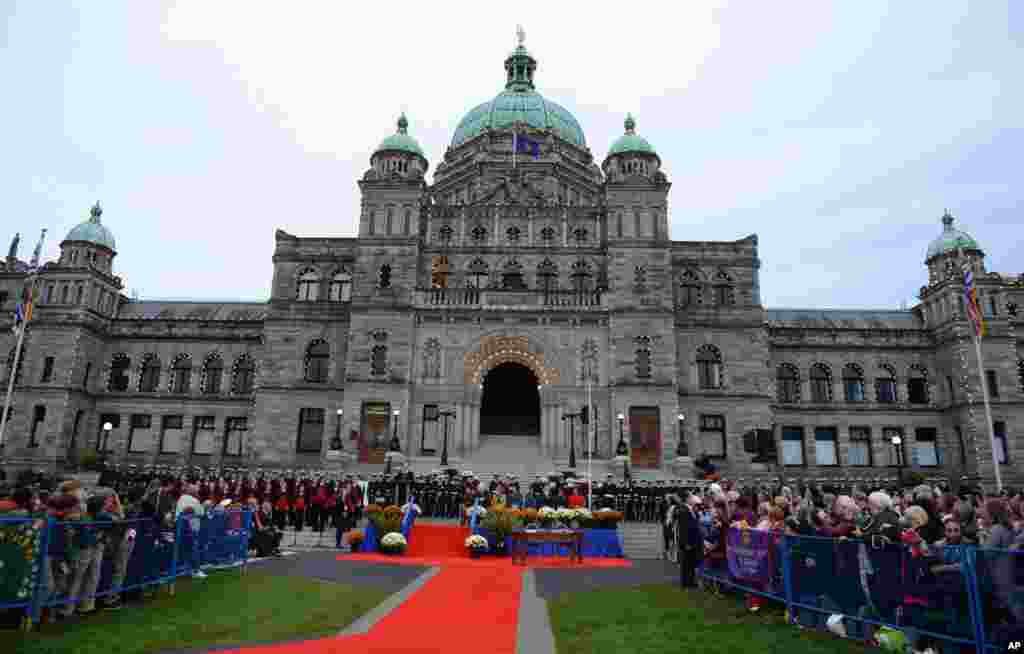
<point>401,141</point>
<point>630,142</point>
<point>519,104</point>
<point>950,240</point>
<point>92,230</point>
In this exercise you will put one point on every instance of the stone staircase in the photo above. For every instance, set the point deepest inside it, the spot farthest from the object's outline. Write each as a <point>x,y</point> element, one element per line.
<point>641,540</point>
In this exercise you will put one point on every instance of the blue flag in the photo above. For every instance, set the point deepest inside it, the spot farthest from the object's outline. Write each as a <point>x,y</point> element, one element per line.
<point>526,145</point>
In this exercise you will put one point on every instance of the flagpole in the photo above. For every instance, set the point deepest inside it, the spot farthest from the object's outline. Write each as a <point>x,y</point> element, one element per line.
<point>26,316</point>
<point>515,145</point>
<point>988,412</point>
<point>590,442</point>
<point>12,373</point>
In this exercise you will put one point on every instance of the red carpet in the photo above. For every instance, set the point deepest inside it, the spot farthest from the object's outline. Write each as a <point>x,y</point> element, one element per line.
<point>469,607</point>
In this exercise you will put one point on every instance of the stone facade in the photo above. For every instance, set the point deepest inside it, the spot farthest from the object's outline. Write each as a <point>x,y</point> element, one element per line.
<point>545,260</point>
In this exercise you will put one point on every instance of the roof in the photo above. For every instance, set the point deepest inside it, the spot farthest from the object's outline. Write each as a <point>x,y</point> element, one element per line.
<point>842,319</point>
<point>92,230</point>
<point>630,141</point>
<point>186,310</point>
<point>401,141</point>
<point>950,240</point>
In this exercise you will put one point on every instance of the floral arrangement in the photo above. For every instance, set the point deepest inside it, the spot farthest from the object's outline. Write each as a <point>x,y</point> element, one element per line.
<point>386,520</point>
<point>547,515</point>
<point>477,542</point>
<point>528,515</point>
<point>393,543</point>
<point>373,508</point>
<point>501,523</point>
<point>355,538</point>
<point>19,565</point>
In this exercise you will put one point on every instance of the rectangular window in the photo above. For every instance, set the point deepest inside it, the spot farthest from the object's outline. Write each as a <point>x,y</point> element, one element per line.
<point>854,388</point>
<point>893,443</point>
<point>47,370</point>
<point>203,435</point>
<point>949,388</point>
<point>963,446</point>
<point>886,390</point>
<point>825,450</point>
<point>140,433</point>
<point>792,446</point>
<point>926,451</point>
<point>712,436</point>
<point>430,430</point>
<point>171,436</point>
<point>85,376</point>
<point>999,431</point>
<point>38,417</point>
<point>860,446</point>
<point>234,435</point>
<point>917,390</point>
<point>993,383</point>
<point>311,430</point>
<point>48,295</point>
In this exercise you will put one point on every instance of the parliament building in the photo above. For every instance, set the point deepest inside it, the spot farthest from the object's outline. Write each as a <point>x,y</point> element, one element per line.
<point>488,305</point>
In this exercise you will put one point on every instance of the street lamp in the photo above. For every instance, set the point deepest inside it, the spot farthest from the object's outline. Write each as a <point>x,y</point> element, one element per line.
<point>393,447</point>
<point>682,449</point>
<point>107,428</point>
<point>571,417</point>
<point>444,448</point>
<point>336,443</point>
<point>621,449</point>
<point>897,443</point>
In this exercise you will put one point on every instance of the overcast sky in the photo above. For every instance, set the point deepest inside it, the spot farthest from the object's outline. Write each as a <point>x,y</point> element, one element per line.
<point>836,133</point>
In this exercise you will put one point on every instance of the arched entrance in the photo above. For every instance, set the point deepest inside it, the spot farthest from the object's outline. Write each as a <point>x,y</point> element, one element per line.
<point>511,401</point>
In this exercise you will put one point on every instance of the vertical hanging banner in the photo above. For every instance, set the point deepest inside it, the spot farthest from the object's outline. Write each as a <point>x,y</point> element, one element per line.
<point>749,554</point>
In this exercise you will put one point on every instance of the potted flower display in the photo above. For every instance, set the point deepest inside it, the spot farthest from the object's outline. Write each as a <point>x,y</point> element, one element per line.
<point>607,518</point>
<point>355,539</point>
<point>393,543</point>
<point>547,516</point>
<point>477,545</point>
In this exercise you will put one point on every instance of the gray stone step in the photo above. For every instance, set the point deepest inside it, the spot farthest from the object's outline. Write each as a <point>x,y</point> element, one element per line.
<point>641,540</point>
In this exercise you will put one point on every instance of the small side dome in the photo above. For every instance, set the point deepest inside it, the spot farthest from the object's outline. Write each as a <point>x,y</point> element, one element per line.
<point>950,240</point>
<point>630,142</point>
<point>92,230</point>
<point>400,141</point>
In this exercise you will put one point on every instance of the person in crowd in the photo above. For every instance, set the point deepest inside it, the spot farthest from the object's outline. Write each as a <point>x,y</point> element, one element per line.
<point>85,576</point>
<point>192,510</point>
<point>691,543</point>
<point>669,528</point>
<point>120,544</point>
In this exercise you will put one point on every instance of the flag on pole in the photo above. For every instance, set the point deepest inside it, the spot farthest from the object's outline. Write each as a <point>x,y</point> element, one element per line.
<point>526,145</point>
<point>971,302</point>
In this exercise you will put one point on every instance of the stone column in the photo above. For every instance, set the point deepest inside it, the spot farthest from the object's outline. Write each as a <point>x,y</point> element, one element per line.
<point>474,433</point>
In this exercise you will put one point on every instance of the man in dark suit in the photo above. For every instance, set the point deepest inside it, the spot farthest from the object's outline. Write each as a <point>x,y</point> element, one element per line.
<point>689,540</point>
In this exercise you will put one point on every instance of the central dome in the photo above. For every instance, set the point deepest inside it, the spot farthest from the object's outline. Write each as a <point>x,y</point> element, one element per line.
<point>519,103</point>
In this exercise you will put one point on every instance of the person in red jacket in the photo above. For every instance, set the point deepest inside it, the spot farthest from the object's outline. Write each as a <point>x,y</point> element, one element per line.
<point>281,510</point>
<point>299,512</point>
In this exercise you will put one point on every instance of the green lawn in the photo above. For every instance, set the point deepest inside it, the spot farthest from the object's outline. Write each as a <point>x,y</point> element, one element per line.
<point>664,618</point>
<point>224,609</point>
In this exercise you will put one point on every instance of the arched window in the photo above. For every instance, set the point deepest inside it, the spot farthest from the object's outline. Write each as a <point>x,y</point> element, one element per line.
<point>213,371</point>
<point>582,281</point>
<point>341,287</point>
<point>513,234</point>
<point>388,221</point>
<point>853,383</point>
<point>379,360</point>
<point>149,375</point>
<point>439,271</point>
<point>479,233</point>
<point>619,224</point>
<point>724,294</point>
<point>318,358</point>
<point>709,367</point>
<point>885,385</point>
<point>547,235</point>
<point>384,276</point>
<point>119,367</point>
<point>478,273</point>
<point>181,374</point>
<point>579,235</point>
<point>547,276</point>
<point>689,289</point>
<point>787,380</point>
<point>243,377</point>
<point>407,228</point>
<point>1020,374</point>
<point>65,292</point>
<point>512,276</point>
<point>309,286</point>
<point>445,234</point>
<point>821,383</point>
<point>79,293</point>
<point>917,385</point>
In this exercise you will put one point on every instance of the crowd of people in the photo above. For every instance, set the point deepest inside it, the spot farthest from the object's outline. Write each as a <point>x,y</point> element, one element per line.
<point>927,519</point>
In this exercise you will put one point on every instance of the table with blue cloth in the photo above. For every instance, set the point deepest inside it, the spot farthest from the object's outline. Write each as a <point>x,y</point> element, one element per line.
<point>523,538</point>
